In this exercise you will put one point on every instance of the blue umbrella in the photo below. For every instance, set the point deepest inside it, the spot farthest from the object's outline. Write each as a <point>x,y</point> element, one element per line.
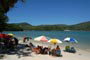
<point>72,40</point>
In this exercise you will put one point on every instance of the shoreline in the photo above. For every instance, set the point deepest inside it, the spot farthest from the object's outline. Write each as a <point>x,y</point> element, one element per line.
<point>63,44</point>
<point>79,55</point>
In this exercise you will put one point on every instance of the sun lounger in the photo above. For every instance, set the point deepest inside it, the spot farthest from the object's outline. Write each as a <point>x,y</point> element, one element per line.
<point>53,52</point>
<point>72,50</point>
<point>67,48</point>
<point>58,52</point>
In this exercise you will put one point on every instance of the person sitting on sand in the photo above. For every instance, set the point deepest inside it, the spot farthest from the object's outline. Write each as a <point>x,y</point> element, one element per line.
<point>53,52</point>
<point>58,51</point>
<point>16,41</point>
<point>37,51</point>
<point>45,50</point>
<point>41,49</point>
<point>12,44</point>
<point>57,48</point>
<point>49,50</point>
<point>31,45</point>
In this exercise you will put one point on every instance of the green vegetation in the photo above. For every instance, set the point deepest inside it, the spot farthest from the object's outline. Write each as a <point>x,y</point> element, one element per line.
<point>25,26</point>
<point>81,26</point>
<point>13,27</point>
<point>5,6</point>
<point>3,20</point>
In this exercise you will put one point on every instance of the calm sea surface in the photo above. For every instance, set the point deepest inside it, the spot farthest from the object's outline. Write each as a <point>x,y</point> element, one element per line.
<point>83,37</point>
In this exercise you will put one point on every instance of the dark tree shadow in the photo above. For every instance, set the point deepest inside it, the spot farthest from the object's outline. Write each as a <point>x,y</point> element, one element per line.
<point>21,50</point>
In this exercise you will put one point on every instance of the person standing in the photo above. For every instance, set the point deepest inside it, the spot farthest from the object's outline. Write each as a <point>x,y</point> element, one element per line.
<point>25,37</point>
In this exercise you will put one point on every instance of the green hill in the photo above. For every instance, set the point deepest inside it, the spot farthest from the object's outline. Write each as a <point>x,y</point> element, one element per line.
<point>81,26</point>
<point>25,26</point>
<point>18,26</point>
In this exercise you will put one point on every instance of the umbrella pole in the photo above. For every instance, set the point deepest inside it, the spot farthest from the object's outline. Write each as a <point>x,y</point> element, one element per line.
<point>42,43</point>
<point>54,45</point>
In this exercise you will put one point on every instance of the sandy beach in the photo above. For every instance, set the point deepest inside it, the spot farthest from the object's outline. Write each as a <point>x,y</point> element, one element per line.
<point>79,55</point>
<point>44,29</point>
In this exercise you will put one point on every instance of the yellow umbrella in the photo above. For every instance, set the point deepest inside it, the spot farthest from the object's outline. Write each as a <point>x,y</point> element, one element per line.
<point>55,41</point>
<point>10,34</point>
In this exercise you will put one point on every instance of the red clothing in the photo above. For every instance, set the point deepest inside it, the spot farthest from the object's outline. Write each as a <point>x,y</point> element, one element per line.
<point>24,40</point>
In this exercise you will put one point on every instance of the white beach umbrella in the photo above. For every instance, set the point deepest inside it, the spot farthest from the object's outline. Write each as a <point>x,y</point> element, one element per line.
<point>41,38</point>
<point>71,40</point>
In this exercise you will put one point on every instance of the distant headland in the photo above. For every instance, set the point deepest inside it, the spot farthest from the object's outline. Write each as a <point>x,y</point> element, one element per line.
<point>26,26</point>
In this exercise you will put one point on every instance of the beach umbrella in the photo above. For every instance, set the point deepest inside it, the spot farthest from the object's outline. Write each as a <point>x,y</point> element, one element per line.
<point>71,40</point>
<point>4,36</point>
<point>1,35</point>
<point>41,38</point>
<point>10,34</point>
<point>55,41</point>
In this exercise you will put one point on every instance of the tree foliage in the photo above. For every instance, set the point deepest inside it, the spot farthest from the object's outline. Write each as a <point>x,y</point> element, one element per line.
<point>5,6</point>
<point>3,20</point>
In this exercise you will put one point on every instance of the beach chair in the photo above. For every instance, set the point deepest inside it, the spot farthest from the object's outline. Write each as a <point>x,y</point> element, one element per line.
<point>53,52</point>
<point>67,48</point>
<point>58,53</point>
<point>72,50</point>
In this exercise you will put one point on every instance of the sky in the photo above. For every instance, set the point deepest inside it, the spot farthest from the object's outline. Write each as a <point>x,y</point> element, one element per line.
<point>37,12</point>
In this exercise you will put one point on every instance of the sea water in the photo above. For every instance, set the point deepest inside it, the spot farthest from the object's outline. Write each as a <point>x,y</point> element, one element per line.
<point>83,37</point>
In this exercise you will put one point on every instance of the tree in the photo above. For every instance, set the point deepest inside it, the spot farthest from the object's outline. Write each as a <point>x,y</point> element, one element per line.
<point>3,20</point>
<point>5,6</point>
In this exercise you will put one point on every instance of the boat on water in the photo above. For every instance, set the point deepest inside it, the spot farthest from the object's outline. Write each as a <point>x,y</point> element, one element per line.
<point>67,30</point>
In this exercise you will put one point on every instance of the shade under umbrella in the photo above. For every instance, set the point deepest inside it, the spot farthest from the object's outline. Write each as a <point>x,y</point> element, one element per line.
<point>72,40</point>
<point>41,38</point>
<point>55,41</point>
